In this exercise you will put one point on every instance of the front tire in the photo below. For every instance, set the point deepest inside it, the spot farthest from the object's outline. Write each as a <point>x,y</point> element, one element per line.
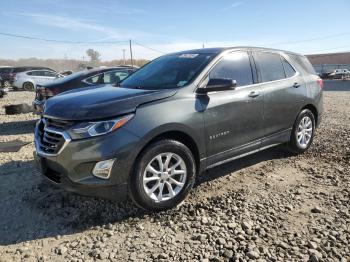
<point>164,175</point>
<point>303,132</point>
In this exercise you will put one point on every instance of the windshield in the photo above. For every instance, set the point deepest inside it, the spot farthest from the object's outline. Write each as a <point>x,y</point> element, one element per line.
<point>169,71</point>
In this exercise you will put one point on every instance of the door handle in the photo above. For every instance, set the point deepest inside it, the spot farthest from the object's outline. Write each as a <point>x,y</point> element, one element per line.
<point>296,85</point>
<point>254,94</point>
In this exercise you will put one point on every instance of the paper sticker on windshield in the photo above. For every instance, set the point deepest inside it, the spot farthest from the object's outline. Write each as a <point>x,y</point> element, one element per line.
<point>188,55</point>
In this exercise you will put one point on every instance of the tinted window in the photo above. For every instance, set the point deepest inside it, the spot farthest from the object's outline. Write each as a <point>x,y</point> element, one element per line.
<point>37,73</point>
<point>270,66</point>
<point>50,73</point>
<point>235,66</point>
<point>93,79</point>
<point>114,77</point>
<point>169,71</point>
<point>288,69</point>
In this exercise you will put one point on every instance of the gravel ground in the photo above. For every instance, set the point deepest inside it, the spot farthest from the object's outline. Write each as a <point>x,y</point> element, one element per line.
<point>271,206</point>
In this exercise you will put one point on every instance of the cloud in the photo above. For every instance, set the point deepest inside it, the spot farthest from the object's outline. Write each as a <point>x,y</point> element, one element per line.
<point>75,24</point>
<point>233,5</point>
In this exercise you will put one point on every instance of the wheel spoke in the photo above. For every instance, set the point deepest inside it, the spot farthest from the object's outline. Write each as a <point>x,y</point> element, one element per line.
<point>152,178</point>
<point>160,162</point>
<point>170,189</point>
<point>152,170</point>
<point>178,172</point>
<point>167,160</point>
<point>160,193</point>
<point>154,188</point>
<point>173,181</point>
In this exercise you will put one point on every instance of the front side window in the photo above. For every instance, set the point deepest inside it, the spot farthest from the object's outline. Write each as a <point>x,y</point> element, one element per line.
<point>270,66</point>
<point>235,66</point>
<point>169,71</point>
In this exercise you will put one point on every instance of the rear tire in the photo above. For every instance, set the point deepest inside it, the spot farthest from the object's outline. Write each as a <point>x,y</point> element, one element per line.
<point>28,86</point>
<point>302,133</point>
<point>164,175</point>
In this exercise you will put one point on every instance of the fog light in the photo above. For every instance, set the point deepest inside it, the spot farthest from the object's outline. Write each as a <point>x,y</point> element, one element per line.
<point>103,169</point>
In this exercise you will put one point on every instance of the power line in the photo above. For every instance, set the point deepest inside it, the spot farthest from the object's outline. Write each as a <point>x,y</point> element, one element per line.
<point>310,39</point>
<point>61,41</point>
<point>150,48</point>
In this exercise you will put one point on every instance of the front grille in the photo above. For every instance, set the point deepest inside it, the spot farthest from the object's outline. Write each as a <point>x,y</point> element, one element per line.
<point>50,136</point>
<point>60,124</point>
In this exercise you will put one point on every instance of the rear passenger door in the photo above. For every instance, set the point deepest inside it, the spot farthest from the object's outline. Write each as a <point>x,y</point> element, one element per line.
<point>284,91</point>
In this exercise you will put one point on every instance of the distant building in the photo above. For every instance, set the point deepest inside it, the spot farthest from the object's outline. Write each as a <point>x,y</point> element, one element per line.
<point>328,62</point>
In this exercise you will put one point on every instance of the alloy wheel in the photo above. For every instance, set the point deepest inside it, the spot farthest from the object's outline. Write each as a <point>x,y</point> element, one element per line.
<point>164,177</point>
<point>304,132</point>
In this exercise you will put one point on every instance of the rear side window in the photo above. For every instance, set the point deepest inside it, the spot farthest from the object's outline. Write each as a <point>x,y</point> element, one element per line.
<point>304,63</point>
<point>288,69</point>
<point>235,66</point>
<point>270,66</point>
<point>93,79</point>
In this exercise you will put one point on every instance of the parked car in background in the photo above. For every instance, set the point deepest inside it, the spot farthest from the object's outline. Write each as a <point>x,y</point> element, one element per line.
<point>29,79</point>
<point>339,74</point>
<point>175,117</point>
<point>8,73</point>
<point>86,78</point>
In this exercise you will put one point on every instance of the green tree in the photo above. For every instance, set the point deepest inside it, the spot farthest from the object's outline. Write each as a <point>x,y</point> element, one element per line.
<point>94,55</point>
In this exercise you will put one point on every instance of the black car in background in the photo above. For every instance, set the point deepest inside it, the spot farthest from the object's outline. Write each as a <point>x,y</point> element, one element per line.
<point>8,74</point>
<point>86,78</point>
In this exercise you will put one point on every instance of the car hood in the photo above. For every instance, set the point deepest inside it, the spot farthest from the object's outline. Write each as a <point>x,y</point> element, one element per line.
<point>101,102</point>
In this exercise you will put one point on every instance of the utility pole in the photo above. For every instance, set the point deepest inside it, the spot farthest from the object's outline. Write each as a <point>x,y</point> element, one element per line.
<point>124,56</point>
<point>132,64</point>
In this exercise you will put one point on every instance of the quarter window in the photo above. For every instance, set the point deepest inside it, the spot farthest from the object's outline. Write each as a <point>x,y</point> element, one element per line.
<point>235,66</point>
<point>114,77</point>
<point>288,69</point>
<point>93,80</point>
<point>270,66</point>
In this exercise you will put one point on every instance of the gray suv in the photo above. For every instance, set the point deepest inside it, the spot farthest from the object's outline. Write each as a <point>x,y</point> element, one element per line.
<point>174,118</point>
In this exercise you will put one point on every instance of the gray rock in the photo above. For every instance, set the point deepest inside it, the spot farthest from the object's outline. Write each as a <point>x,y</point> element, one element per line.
<point>61,250</point>
<point>316,210</point>
<point>253,255</point>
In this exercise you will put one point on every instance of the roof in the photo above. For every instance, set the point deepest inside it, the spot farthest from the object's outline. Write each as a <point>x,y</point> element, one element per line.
<point>217,50</point>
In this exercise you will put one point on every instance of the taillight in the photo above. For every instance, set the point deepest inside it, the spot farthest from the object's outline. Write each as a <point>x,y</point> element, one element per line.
<point>320,82</point>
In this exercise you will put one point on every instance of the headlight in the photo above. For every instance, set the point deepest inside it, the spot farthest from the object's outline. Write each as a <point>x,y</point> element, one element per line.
<point>91,129</point>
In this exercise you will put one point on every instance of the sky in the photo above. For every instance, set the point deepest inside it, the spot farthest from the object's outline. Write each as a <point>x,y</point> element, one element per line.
<point>162,26</point>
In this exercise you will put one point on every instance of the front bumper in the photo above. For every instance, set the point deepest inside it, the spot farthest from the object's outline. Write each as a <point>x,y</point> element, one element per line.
<point>72,168</point>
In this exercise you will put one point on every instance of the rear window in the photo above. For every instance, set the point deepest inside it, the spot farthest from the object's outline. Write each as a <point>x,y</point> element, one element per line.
<point>270,66</point>
<point>304,63</point>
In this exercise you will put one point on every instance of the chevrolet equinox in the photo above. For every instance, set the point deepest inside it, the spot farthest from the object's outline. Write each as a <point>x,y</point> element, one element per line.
<point>174,118</point>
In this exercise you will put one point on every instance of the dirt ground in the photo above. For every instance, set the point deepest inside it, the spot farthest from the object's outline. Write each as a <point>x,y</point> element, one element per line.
<point>271,206</point>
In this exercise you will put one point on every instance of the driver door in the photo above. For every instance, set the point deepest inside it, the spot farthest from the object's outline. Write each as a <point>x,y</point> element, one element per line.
<point>233,118</point>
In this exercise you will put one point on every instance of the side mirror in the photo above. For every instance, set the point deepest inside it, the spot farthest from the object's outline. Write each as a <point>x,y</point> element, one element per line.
<point>218,84</point>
